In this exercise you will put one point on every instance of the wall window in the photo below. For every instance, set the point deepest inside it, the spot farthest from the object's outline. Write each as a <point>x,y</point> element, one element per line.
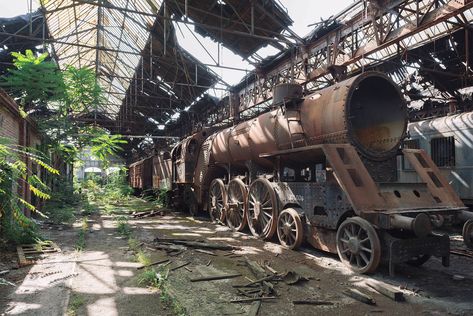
<point>443,151</point>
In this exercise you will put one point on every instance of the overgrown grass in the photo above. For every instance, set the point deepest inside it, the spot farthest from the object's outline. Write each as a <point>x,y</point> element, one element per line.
<point>75,303</point>
<point>165,295</point>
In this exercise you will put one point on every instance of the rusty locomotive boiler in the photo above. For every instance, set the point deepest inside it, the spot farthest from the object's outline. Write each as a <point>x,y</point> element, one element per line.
<point>322,168</point>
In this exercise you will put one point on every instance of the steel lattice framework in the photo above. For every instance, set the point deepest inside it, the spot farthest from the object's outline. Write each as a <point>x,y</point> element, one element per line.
<point>365,34</point>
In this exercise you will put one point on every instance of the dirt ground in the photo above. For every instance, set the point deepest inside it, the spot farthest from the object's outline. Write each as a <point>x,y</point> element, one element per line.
<point>102,279</point>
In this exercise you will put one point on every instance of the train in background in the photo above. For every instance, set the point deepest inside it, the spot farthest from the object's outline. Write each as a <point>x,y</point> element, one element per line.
<point>448,141</point>
<point>320,168</point>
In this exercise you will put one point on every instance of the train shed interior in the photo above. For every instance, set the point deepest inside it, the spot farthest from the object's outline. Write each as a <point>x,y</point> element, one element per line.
<point>221,157</point>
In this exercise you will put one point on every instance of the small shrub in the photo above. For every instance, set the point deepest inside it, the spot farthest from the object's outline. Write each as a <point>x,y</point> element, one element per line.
<point>133,244</point>
<point>142,258</point>
<point>148,278</point>
<point>123,227</point>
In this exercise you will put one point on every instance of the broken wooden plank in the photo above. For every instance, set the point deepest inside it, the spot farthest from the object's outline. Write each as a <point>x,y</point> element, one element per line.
<point>6,282</point>
<point>359,296</point>
<point>206,245</point>
<point>216,277</point>
<point>206,252</point>
<point>254,309</point>
<point>243,300</point>
<point>170,247</point>
<point>312,302</point>
<point>461,252</point>
<point>267,278</point>
<point>388,291</point>
<point>180,266</point>
<point>256,269</point>
<point>196,244</point>
<point>271,269</point>
<point>153,264</point>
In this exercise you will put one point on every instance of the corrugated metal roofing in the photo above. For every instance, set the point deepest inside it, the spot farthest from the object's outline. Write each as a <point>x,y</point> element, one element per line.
<point>117,27</point>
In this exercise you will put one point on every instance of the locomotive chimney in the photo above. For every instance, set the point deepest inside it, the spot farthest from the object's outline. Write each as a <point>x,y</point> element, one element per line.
<point>287,94</point>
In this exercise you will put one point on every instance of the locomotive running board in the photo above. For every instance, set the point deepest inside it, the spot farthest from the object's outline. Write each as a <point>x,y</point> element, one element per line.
<point>430,174</point>
<point>351,173</point>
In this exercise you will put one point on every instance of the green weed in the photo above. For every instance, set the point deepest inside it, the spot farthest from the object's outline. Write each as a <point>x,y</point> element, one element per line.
<point>75,302</point>
<point>133,244</point>
<point>142,257</point>
<point>123,227</point>
<point>148,278</point>
<point>80,243</point>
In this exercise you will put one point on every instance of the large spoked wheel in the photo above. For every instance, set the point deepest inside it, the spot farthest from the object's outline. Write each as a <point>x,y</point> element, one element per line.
<point>468,233</point>
<point>236,206</point>
<point>290,232</point>
<point>358,245</point>
<point>262,210</point>
<point>217,200</point>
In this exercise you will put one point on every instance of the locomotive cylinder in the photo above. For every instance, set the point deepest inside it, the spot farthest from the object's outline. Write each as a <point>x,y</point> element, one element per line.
<point>367,111</point>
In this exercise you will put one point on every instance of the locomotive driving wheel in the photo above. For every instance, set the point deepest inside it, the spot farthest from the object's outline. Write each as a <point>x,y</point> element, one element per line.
<point>358,245</point>
<point>468,233</point>
<point>262,211</point>
<point>217,200</point>
<point>236,207</point>
<point>290,232</point>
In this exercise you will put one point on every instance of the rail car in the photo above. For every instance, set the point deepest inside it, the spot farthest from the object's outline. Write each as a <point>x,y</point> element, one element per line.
<point>449,142</point>
<point>323,168</point>
<point>152,173</point>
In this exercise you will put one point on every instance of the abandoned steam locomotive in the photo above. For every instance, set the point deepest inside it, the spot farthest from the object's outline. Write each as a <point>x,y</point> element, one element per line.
<point>320,168</point>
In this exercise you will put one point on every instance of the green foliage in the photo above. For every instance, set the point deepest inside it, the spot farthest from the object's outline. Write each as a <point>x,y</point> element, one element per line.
<point>133,244</point>
<point>123,227</point>
<point>65,95</point>
<point>105,146</point>
<point>83,93</point>
<point>80,243</point>
<point>34,79</point>
<point>162,197</point>
<point>148,278</point>
<point>18,232</point>
<point>142,258</point>
<point>75,303</point>
<point>13,172</point>
<point>64,202</point>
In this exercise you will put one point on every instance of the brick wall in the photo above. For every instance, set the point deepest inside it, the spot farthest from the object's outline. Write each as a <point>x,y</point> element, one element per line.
<point>9,125</point>
<point>22,132</point>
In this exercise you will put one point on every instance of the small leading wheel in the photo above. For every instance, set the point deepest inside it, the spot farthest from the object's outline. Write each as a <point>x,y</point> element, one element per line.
<point>236,206</point>
<point>262,209</point>
<point>358,245</point>
<point>290,231</point>
<point>468,233</point>
<point>217,200</point>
